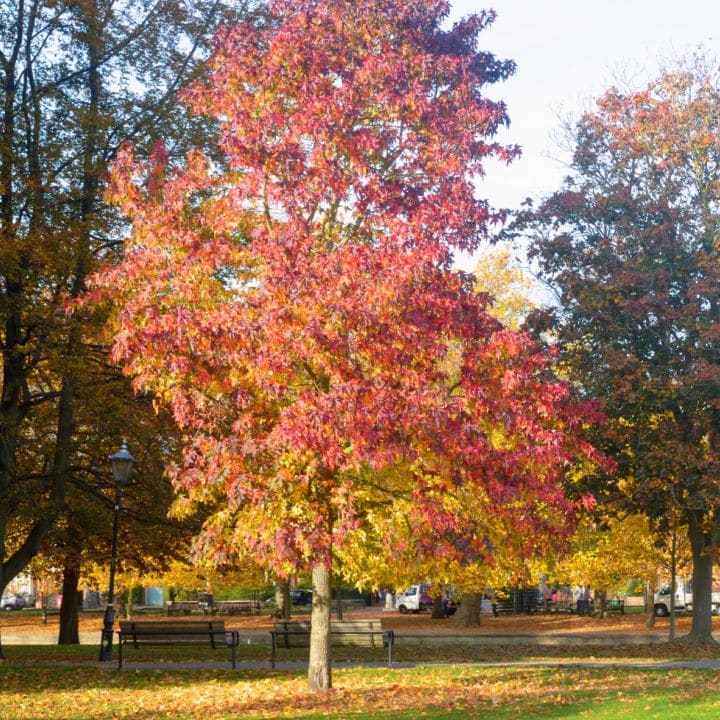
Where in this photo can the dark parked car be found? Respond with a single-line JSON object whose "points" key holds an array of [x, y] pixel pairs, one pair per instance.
{"points": [[297, 597], [301, 597]]}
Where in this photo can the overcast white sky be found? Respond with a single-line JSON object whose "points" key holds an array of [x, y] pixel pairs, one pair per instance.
{"points": [[568, 52]]}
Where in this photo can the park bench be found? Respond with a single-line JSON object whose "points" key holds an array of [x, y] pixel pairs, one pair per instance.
{"points": [[354, 603], [234, 607], [560, 606], [210, 633], [615, 606], [355, 633], [187, 607]]}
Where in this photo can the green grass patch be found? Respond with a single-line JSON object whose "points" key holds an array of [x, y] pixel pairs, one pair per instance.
{"points": [[446, 692]]}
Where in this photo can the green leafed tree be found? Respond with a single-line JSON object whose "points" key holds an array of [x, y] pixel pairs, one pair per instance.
{"points": [[76, 78]]}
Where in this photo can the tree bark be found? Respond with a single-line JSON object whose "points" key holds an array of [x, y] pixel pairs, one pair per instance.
{"points": [[282, 600], [69, 633], [701, 629], [650, 603], [339, 601], [438, 612], [319, 664], [673, 587], [468, 614], [128, 609], [601, 602]]}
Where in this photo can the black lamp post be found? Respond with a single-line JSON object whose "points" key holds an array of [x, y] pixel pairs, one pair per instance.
{"points": [[122, 464]]}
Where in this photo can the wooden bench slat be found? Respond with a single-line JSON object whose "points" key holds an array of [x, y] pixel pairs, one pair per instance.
{"points": [[237, 606], [186, 607], [353, 633], [211, 633]]}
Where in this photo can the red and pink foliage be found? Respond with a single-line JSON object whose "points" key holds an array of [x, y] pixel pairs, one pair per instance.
{"points": [[293, 301]]}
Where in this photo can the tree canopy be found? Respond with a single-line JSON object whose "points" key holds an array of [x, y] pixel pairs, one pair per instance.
{"points": [[77, 78], [630, 244], [292, 300]]}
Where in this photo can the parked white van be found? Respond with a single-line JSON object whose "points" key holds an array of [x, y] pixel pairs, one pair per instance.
{"points": [[683, 599], [414, 599]]}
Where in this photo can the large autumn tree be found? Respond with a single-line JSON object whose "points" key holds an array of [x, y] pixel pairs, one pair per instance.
{"points": [[75, 79], [292, 300], [630, 243]]}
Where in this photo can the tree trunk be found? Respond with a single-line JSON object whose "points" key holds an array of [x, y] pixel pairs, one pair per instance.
{"points": [[69, 633], [651, 588], [438, 611], [128, 609], [339, 601], [468, 614], [319, 667], [282, 600], [701, 629], [601, 603], [673, 588]]}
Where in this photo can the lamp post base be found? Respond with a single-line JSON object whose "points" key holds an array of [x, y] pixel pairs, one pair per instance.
{"points": [[107, 634]]}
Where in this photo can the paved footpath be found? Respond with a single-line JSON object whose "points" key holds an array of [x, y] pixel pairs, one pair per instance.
{"points": [[302, 666], [48, 636]]}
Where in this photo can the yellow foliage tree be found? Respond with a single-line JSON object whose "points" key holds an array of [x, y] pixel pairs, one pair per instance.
{"points": [[606, 556], [512, 289]]}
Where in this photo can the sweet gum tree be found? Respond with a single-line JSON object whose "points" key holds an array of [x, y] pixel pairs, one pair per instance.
{"points": [[292, 300]]}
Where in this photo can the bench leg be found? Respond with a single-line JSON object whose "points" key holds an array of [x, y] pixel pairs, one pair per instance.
{"points": [[272, 657], [120, 647]]}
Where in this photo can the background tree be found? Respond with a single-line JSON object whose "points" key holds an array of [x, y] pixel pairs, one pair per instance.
{"points": [[294, 305], [630, 244], [76, 79], [513, 290], [607, 555], [182, 575]]}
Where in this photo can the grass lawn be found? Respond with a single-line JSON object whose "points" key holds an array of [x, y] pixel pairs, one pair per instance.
{"points": [[39, 682], [29, 690]]}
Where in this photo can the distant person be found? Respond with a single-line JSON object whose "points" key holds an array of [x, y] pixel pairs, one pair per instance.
{"points": [[490, 595], [449, 606], [579, 600], [543, 592], [551, 598]]}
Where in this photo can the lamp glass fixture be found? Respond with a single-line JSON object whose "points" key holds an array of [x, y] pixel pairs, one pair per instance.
{"points": [[122, 463]]}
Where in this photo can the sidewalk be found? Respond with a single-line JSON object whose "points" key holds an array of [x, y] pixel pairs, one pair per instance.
{"points": [[49, 636], [543, 630]]}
